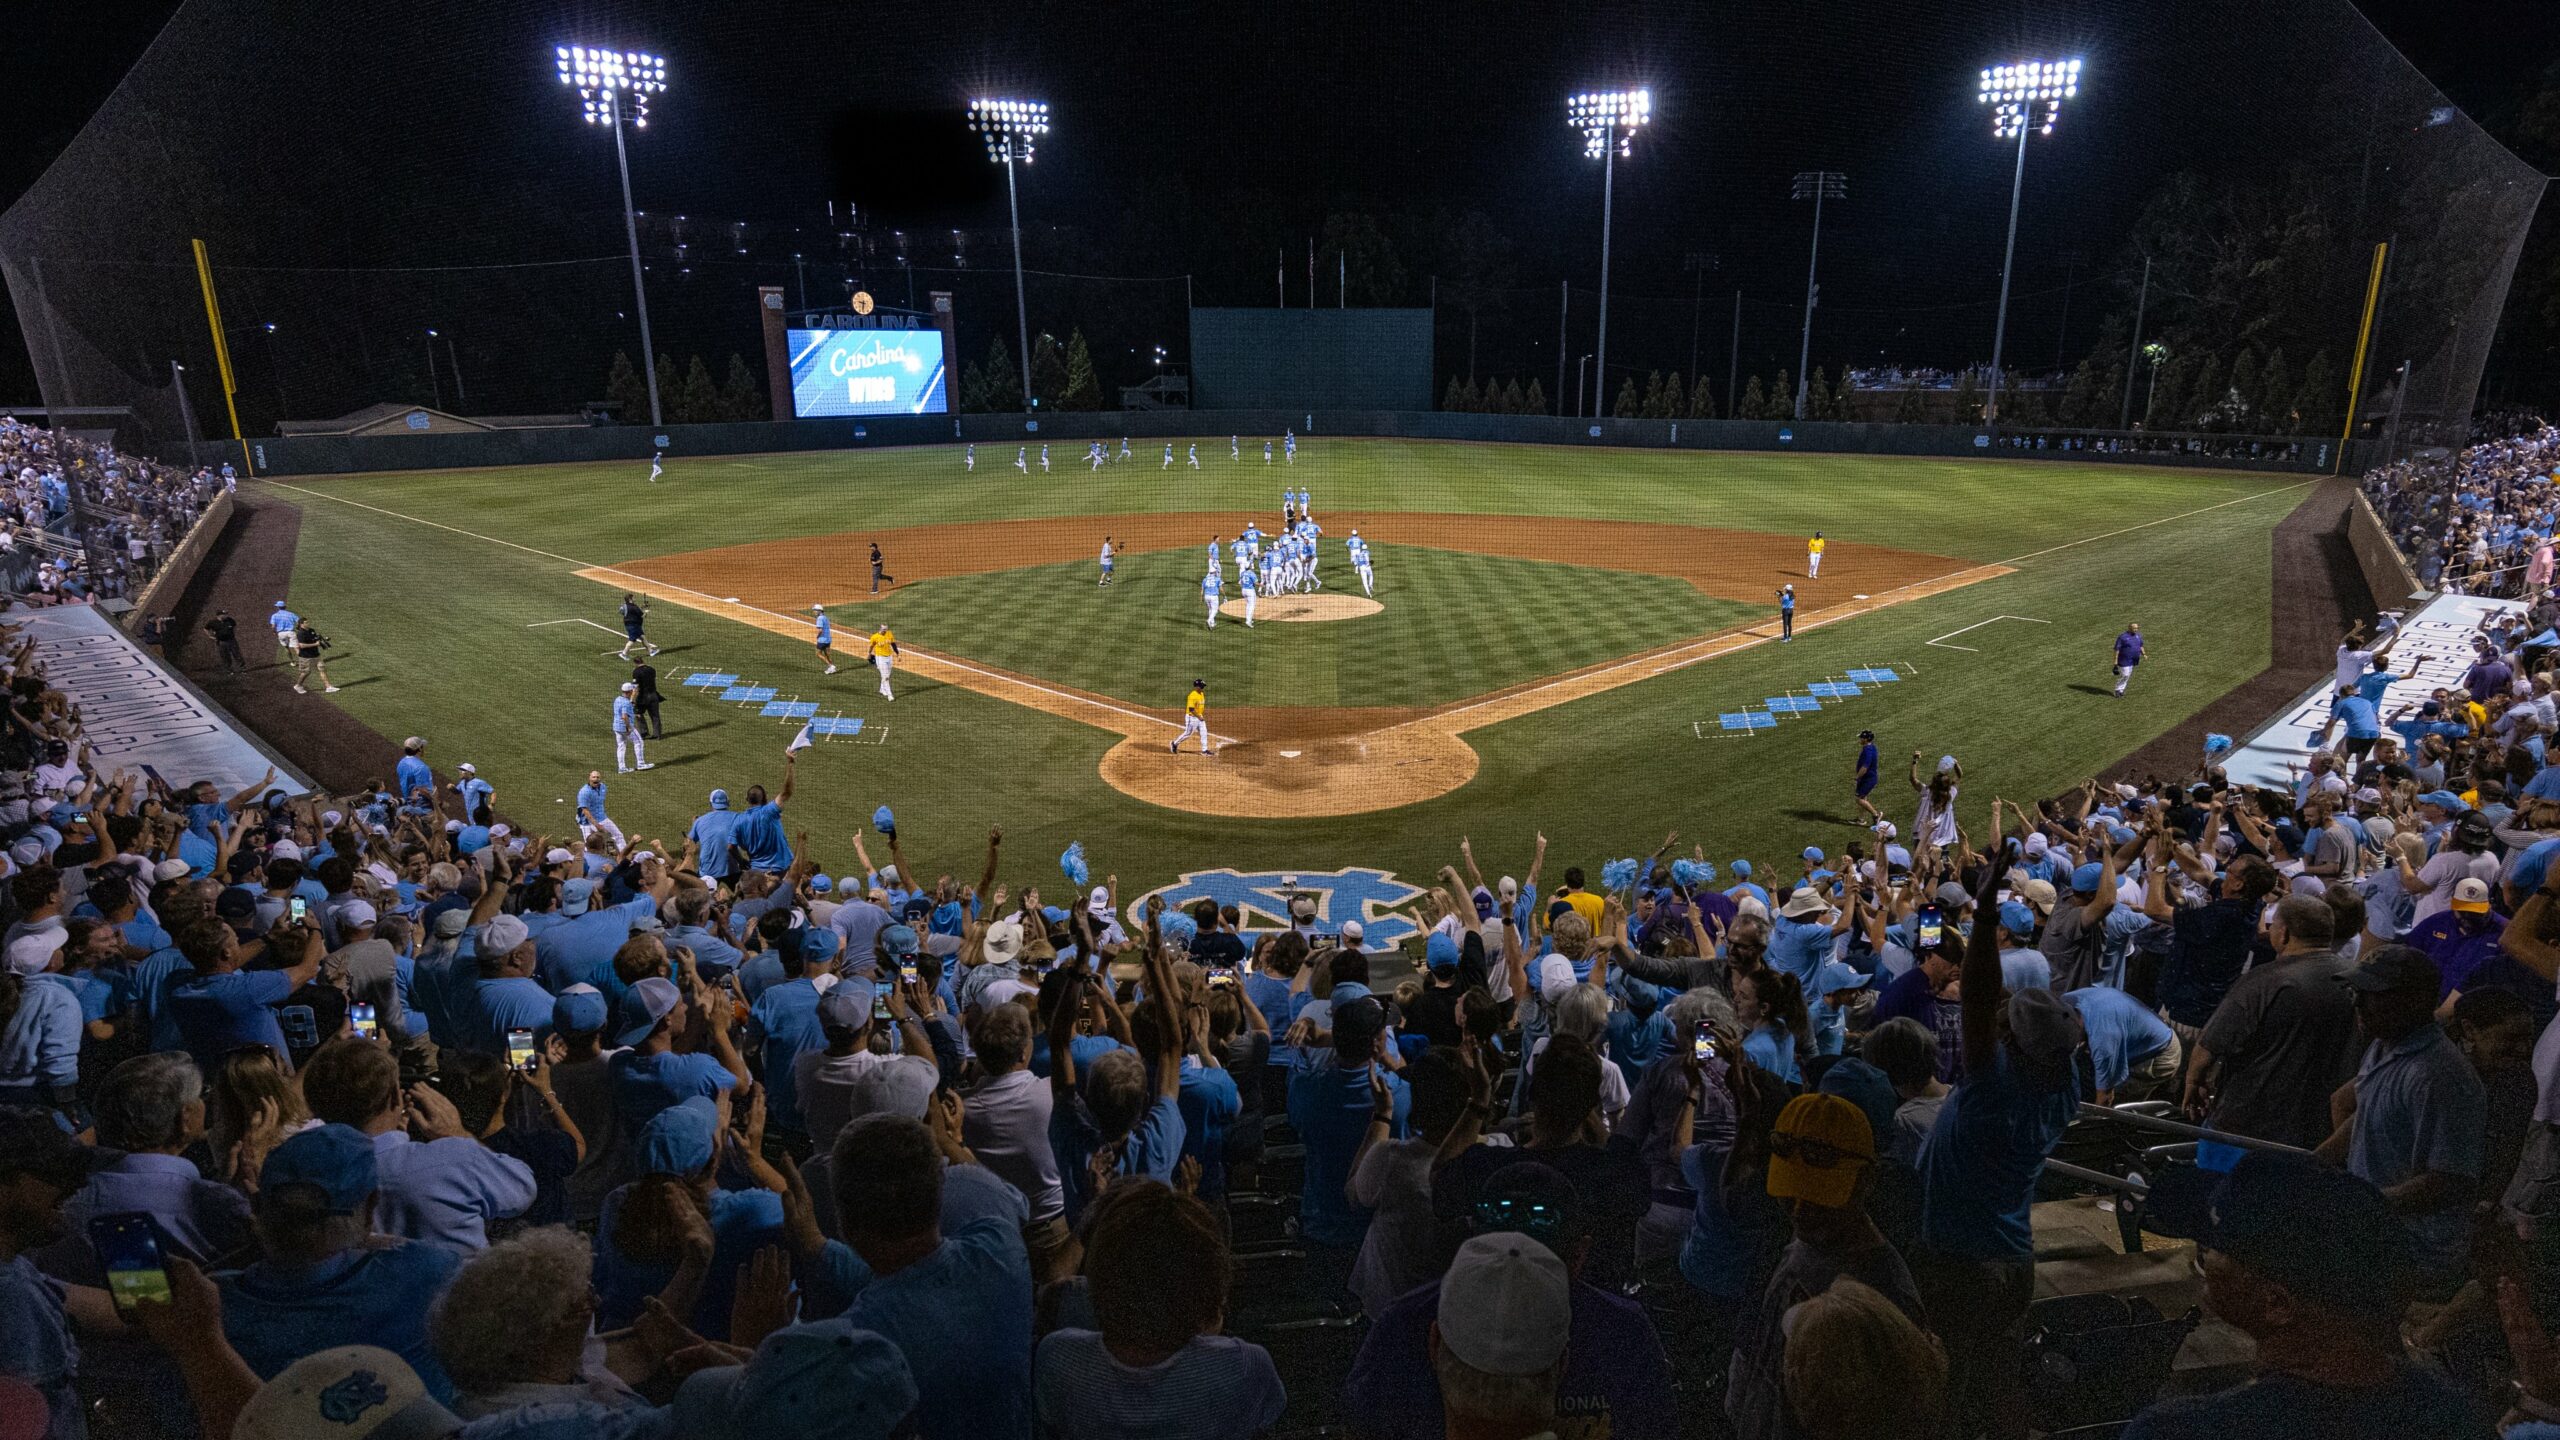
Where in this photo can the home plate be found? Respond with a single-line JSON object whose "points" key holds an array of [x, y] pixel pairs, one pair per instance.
{"points": [[1289, 754], [1857, 597], [732, 599]]}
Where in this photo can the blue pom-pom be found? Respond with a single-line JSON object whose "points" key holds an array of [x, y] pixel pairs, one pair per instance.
{"points": [[1684, 873], [2215, 744], [1178, 927], [1706, 872], [1072, 862], [883, 821], [1618, 874]]}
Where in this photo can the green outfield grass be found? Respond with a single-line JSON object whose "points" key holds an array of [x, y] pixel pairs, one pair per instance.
{"points": [[438, 586], [1453, 625]]}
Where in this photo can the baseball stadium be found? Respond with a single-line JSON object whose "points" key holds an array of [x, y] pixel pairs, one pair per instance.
{"points": [[976, 722]]}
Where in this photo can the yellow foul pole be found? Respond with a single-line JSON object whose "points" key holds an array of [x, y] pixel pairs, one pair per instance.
{"points": [[221, 353], [2355, 374]]}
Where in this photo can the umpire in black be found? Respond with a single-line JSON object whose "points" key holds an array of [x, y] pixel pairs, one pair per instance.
{"points": [[645, 675]]}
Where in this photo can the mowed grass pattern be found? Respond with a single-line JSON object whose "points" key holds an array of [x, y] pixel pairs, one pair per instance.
{"points": [[1454, 625]]}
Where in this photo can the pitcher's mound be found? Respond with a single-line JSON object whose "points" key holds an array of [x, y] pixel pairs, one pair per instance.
{"points": [[1304, 607]]}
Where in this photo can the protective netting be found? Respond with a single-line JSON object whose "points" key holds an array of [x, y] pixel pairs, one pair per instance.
{"points": [[365, 173]]}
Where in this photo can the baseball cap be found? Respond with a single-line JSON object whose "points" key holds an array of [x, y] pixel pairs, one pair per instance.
{"points": [[2474, 829], [467, 768], [1952, 896], [643, 1006], [1506, 1305], [2392, 968], [1868, 1088], [1886, 829], [2084, 880], [2038, 893], [2323, 1234], [1440, 952], [2045, 1026], [32, 953], [1837, 976], [557, 855], [336, 1160], [240, 905], [1356, 1022], [1099, 902], [1741, 869], [2016, 918], [847, 1004], [2037, 844], [356, 913], [579, 1010], [2443, 800], [719, 799], [575, 895], [284, 850], [1813, 853], [2471, 895], [681, 1139], [503, 934], [448, 923], [1817, 1150], [899, 940], [352, 1392], [822, 885], [822, 1381], [1352, 932], [170, 870], [33, 1143]]}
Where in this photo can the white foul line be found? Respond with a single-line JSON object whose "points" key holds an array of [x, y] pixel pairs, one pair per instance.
{"points": [[1940, 642]]}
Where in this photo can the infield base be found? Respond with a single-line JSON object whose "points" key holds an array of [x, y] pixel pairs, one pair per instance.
{"points": [[1303, 608]]}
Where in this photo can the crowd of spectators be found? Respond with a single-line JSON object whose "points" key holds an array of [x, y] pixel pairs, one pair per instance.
{"points": [[81, 520], [2477, 521]]}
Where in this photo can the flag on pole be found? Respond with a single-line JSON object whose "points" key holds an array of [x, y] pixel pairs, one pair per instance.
{"points": [[799, 742]]}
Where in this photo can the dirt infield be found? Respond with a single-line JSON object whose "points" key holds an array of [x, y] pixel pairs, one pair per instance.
{"points": [[1748, 565], [1304, 609], [1281, 762]]}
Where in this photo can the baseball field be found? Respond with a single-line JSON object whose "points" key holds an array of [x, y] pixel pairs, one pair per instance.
{"points": [[1579, 641]]}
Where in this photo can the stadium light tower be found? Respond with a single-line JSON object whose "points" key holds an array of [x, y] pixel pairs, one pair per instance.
{"points": [[613, 85], [1608, 120], [1816, 186], [2025, 99], [1012, 129]]}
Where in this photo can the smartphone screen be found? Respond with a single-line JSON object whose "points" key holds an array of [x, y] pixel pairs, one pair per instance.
{"points": [[907, 971], [520, 1050], [1221, 975], [360, 1015], [1932, 926], [1704, 1045], [297, 909], [128, 1245]]}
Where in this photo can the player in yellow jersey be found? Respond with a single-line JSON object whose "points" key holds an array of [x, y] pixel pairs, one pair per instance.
{"points": [[1195, 718], [1813, 555], [884, 646]]}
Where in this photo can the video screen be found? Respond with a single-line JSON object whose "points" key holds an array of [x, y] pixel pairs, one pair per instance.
{"points": [[867, 372]]}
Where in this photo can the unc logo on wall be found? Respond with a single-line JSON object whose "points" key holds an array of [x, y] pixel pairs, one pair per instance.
{"points": [[773, 299], [1261, 898], [417, 420]]}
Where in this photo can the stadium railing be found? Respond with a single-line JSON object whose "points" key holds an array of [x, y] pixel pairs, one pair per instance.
{"points": [[178, 570], [337, 454]]}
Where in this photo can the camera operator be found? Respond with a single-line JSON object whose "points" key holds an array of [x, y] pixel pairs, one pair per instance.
{"points": [[308, 642]]}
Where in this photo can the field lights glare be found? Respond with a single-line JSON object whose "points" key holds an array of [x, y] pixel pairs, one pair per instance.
{"points": [[2027, 95], [1606, 115], [1011, 128], [603, 77]]}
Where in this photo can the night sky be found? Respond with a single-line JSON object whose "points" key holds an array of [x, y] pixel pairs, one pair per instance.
{"points": [[1195, 139]]}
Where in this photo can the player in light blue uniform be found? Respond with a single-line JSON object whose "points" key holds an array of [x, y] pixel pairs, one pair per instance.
{"points": [[1094, 453], [1106, 560], [1242, 555], [1124, 447], [1022, 459], [284, 620], [1168, 458], [1251, 591], [1289, 441], [970, 461], [1360, 562], [826, 636], [1209, 593], [474, 791], [592, 821], [657, 466], [627, 752], [1234, 450], [1266, 452], [1044, 457]]}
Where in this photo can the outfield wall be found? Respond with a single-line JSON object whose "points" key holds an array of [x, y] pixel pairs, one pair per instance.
{"points": [[2386, 571], [341, 454]]}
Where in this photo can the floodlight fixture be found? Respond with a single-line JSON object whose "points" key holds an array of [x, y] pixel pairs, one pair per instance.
{"points": [[611, 85], [1607, 121], [2025, 98], [1012, 130]]}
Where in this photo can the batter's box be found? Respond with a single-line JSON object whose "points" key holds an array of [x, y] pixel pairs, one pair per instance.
{"points": [[1873, 677], [1793, 705], [1830, 691], [749, 694], [1746, 720], [789, 709], [835, 726], [708, 679]]}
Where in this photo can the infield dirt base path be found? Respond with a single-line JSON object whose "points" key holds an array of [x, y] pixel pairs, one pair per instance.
{"points": [[1281, 762]]}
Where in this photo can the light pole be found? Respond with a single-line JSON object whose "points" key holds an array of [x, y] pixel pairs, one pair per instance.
{"points": [[433, 382], [1608, 120], [1581, 368], [1698, 263], [1012, 128], [1817, 186], [2133, 362], [2025, 98], [611, 84]]}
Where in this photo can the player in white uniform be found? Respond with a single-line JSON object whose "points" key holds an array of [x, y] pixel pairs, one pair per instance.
{"points": [[1106, 561], [970, 461], [1044, 458], [1022, 460], [1168, 459], [1195, 457], [1289, 441], [627, 753], [1234, 450], [1360, 562], [657, 466], [1266, 452], [1251, 591], [1209, 587], [1124, 447], [1242, 555], [1093, 452], [1293, 574]]}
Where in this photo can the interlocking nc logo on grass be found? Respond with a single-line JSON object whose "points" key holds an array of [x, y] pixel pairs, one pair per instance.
{"points": [[1261, 898]]}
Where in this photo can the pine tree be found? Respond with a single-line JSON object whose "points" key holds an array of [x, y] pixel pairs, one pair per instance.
{"points": [[1754, 404], [2204, 395], [699, 401], [1839, 408], [1968, 401], [1048, 371], [1472, 398], [1083, 391], [972, 394], [1702, 400], [2244, 389], [1003, 389], [740, 399], [2316, 404], [1651, 406], [1513, 402], [1817, 396], [1910, 408], [1456, 398], [1629, 403], [2169, 389], [2080, 397], [1675, 400], [670, 390], [627, 393], [1781, 402], [1533, 401], [2274, 403]]}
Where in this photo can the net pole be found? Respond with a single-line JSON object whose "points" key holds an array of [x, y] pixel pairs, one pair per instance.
{"points": [[2364, 333], [221, 351]]}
